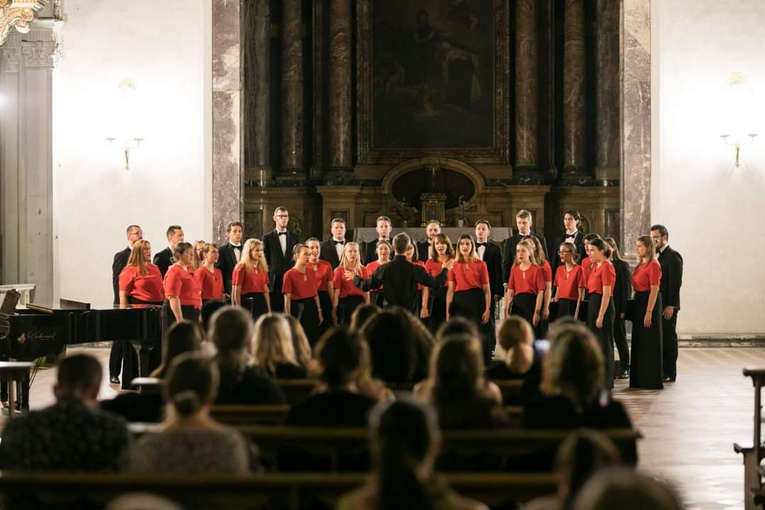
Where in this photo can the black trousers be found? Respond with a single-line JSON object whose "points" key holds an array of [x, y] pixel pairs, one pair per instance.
{"points": [[470, 304], [620, 338], [345, 308], [305, 311], [669, 337], [604, 335]]}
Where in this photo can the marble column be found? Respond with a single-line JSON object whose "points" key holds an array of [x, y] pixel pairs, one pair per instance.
{"points": [[526, 87], [256, 52], [292, 92], [227, 164], [339, 92], [636, 123], [573, 90], [26, 165], [607, 56]]}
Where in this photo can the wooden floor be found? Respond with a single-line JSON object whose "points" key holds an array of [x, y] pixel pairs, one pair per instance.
{"points": [[689, 427]]}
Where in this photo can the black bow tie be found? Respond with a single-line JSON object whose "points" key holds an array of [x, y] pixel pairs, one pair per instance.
{"points": [[281, 233], [338, 242], [236, 246], [478, 245], [569, 235]]}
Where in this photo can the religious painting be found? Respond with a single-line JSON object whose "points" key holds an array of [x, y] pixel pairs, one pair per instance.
{"points": [[433, 79]]}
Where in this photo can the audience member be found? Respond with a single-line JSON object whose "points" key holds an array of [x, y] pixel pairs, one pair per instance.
{"points": [[182, 337], [626, 490], [273, 351], [522, 358], [362, 314], [300, 343], [457, 326]]}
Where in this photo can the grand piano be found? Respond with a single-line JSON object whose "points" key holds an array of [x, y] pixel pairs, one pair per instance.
{"points": [[47, 328]]}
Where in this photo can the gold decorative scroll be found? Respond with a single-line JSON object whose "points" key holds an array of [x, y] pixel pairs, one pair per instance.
{"points": [[18, 14]]}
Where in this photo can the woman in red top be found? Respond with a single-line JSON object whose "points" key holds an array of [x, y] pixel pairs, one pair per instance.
{"points": [[208, 278], [249, 281], [569, 282], [301, 299], [601, 311], [539, 254], [347, 297], [383, 257], [434, 300], [525, 286], [586, 270], [140, 282], [182, 299], [323, 273], [646, 369], [199, 258]]}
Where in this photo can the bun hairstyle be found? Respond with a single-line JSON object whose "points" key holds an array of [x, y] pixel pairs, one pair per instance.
{"points": [[192, 382], [574, 251], [296, 250], [601, 245], [180, 249]]}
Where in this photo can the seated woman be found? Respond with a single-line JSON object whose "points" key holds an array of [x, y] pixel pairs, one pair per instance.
{"points": [[273, 352], [457, 388], [183, 337], [362, 314], [522, 358], [300, 343], [231, 332], [190, 441], [405, 441]]}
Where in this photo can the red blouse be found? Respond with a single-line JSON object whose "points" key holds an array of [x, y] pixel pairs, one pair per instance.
{"points": [[587, 264], [180, 282], [569, 283], [346, 287], [210, 284], [251, 281], [646, 275], [422, 265], [146, 287], [299, 285], [600, 277], [546, 272], [529, 281], [468, 275], [323, 273]]}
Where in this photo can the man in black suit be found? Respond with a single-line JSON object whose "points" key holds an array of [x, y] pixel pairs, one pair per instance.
{"points": [[400, 277], [669, 288], [432, 229], [523, 221], [571, 234], [134, 233], [383, 232], [277, 247], [332, 249], [492, 256], [164, 259], [230, 254]]}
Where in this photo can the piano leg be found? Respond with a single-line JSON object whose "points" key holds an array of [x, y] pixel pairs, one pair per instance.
{"points": [[142, 350], [23, 390], [130, 367]]}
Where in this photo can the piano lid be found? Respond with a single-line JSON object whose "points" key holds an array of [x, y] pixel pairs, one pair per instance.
{"points": [[68, 305]]}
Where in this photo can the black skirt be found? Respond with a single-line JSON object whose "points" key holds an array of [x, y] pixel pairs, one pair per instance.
{"points": [[566, 308], [346, 306], [524, 304], [604, 335], [305, 311], [255, 302], [646, 370]]}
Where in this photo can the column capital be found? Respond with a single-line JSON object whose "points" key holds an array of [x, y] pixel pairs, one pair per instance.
{"points": [[18, 14], [10, 56], [39, 54]]}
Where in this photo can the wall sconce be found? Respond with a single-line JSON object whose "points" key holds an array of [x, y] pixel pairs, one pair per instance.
{"points": [[738, 118], [124, 119], [737, 143]]}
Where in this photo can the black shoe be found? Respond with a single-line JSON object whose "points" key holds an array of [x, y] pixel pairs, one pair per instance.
{"points": [[625, 374], [667, 378], [114, 379]]}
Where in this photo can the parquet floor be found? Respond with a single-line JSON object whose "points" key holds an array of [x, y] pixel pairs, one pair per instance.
{"points": [[689, 427]]}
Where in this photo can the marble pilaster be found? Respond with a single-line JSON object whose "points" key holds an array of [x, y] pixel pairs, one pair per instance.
{"points": [[227, 164], [636, 123], [339, 91], [526, 86], [256, 54], [292, 92], [608, 121], [573, 90]]}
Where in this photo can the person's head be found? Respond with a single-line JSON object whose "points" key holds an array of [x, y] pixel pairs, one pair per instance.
{"points": [[400, 243], [383, 250], [574, 366], [231, 330], [432, 228], [198, 259], [174, 235], [272, 343], [455, 327], [79, 376], [338, 228], [611, 243], [524, 253], [404, 441], [582, 454], [660, 236], [514, 331], [234, 232], [466, 249], [300, 254], [134, 233], [482, 231], [140, 255], [281, 217], [362, 314], [205, 316], [589, 238], [441, 247], [645, 249], [625, 489], [191, 384], [456, 369], [351, 258], [412, 253], [523, 221], [299, 341], [567, 253], [209, 253], [182, 337], [252, 255], [341, 354], [599, 250], [183, 253], [314, 249], [535, 245], [383, 227], [571, 220]]}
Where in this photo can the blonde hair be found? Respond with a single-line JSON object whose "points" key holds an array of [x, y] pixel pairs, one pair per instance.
{"points": [[515, 333], [249, 264], [344, 262], [536, 245], [136, 256], [272, 343], [198, 260], [532, 257], [647, 242], [472, 257]]}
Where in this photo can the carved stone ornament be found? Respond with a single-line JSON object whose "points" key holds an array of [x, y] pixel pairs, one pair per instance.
{"points": [[18, 14]]}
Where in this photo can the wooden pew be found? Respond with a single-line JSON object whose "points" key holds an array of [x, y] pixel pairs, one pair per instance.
{"points": [[253, 491], [753, 455]]}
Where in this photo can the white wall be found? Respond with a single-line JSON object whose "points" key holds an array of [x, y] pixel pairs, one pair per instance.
{"points": [[163, 47], [713, 210]]}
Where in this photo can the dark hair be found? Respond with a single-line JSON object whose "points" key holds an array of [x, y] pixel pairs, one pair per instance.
{"points": [[296, 250], [233, 224], [77, 374], [614, 248], [341, 354], [625, 489], [131, 227], [401, 434], [574, 251], [663, 232], [443, 239], [231, 330], [581, 455], [192, 380], [182, 337], [205, 315], [400, 243], [456, 368], [483, 222], [577, 217], [456, 326], [171, 230], [311, 239], [591, 237], [433, 221], [362, 314], [180, 249], [601, 245], [280, 208]]}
